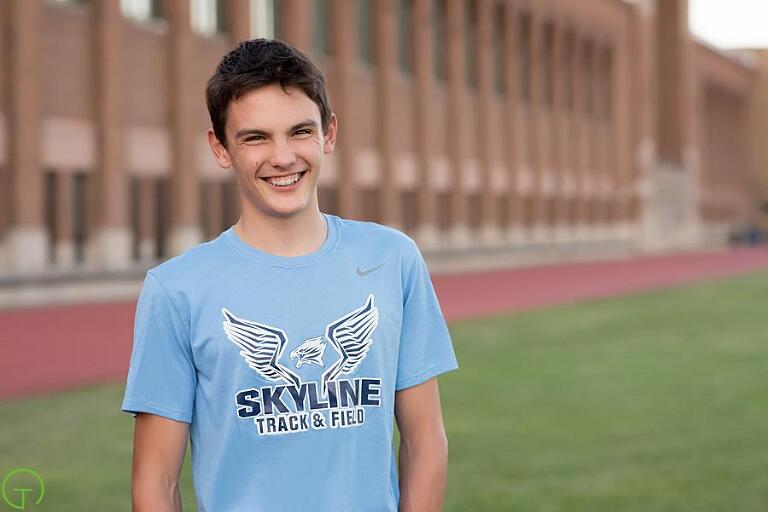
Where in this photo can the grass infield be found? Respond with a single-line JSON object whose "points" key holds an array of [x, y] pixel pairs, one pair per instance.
{"points": [[653, 402]]}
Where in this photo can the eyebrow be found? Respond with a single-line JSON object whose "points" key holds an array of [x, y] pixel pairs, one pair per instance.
{"points": [[307, 123]]}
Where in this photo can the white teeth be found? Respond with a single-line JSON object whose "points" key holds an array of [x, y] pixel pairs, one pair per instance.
{"points": [[284, 180]]}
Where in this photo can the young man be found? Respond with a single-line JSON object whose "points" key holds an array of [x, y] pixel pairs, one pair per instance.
{"points": [[287, 346]]}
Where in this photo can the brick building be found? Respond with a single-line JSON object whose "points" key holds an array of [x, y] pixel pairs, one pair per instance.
{"points": [[544, 124]]}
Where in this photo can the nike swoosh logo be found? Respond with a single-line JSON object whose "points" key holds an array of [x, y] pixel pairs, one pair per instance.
{"points": [[366, 272]]}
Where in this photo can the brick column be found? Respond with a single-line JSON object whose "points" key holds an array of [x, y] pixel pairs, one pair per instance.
{"points": [[456, 100], [485, 98], [238, 24], [718, 183], [597, 148], [647, 152], [345, 46], [672, 219], [5, 193], [185, 230], [538, 201], [611, 139], [511, 113], [385, 19], [558, 157], [546, 123], [423, 70], [111, 244], [568, 142], [635, 116], [622, 124], [580, 140], [26, 239], [296, 23], [674, 81], [238, 21]]}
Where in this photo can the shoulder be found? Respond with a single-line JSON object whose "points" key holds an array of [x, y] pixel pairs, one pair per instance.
{"points": [[373, 234], [199, 260]]}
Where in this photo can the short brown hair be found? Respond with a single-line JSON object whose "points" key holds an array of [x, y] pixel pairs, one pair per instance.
{"points": [[257, 63]]}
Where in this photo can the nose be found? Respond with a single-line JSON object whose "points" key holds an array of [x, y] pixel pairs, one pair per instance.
{"points": [[282, 154]]}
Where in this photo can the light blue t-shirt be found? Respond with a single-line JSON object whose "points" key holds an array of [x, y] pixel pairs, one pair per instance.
{"points": [[286, 367]]}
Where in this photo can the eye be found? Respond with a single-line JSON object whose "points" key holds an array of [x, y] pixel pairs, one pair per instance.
{"points": [[303, 131], [253, 138]]}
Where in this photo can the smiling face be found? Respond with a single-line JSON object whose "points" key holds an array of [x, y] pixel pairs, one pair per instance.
{"points": [[274, 136]]}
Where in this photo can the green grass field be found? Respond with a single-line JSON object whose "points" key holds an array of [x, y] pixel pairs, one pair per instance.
{"points": [[655, 402]]}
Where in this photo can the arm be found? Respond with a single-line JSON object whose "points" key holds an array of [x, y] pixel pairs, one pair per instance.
{"points": [[423, 448], [158, 452]]}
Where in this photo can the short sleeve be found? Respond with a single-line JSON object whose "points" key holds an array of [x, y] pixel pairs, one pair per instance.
{"points": [[426, 349], [162, 376]]}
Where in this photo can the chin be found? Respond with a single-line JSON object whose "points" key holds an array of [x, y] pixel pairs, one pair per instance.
{"points": [[288, 211], [284, 207]]}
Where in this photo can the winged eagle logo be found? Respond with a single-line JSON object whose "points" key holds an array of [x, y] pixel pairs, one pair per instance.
{"points": [[262, 346], [310, 352]]}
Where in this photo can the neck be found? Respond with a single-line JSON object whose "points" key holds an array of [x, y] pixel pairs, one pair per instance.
{"points": [[296, 235]]}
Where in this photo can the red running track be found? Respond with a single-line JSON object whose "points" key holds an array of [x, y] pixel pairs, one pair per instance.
{"points": [[54, 348]]}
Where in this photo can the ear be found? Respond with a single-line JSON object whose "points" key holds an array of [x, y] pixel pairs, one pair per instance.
{"points": [[329, 138], [219, 151]]}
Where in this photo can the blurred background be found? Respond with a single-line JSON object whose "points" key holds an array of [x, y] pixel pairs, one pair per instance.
{"points": [[591, 127], [539, 151]]}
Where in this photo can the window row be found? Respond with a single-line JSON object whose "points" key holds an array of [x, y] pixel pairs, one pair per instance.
{"points": [[207, 17], [580, 64], [583, 67]]}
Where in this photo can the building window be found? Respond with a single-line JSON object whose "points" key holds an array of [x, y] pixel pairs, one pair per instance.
{"points": [[499, 40], [51, 207], [470, 43], [548, 58], [328, 199], [323, 29], [370, 204], [161, 192], [502, 211], [80, 203], [405, 35], [409, 208], [524, 57], [265, 18], [140, 10], [439, 57], [135, 207], [230, 203], [444, 210], [207, 16], [475, 210], [365, 31], [210, 208], [5, 195]]}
